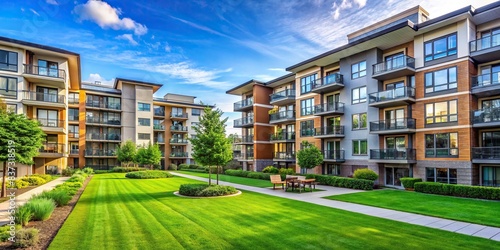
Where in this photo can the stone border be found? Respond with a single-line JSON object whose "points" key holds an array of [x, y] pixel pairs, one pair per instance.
{"points": [[204, 197]]}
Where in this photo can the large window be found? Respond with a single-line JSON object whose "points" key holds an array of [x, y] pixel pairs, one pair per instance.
{"points": [[48, 118], [359, 121], [359, 147], [306, 107], [306, 83], [143, 106], [8, 86], [441, 47], [8, 60], [73, 98], [195, 112], [490, 139], [307, 128], [443, 175], [48, 68], [359, 95], [144, 122], [358, 70], [441, 112], [491, 176], [73, 131], [441, 145], [73, 114], [441, 80]]}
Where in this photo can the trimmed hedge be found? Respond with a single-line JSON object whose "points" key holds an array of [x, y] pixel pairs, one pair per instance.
{"points": [[477, 192], [365, 174], [102, 171], [409, 182], [342, 182], [191, 189], [149, 174], [205, 190], [183, 166], [126, 169], [271, 170]]}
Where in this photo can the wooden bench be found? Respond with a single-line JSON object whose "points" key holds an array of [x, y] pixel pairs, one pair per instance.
{"points": [[276, 179]]}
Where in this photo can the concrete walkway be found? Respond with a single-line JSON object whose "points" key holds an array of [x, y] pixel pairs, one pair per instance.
{"points": [[24, 197], [471, 229]]}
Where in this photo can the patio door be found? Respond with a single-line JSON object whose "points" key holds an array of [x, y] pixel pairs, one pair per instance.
{"points": [[332, 150], [394, 61], [46, 94], [332, 101], [394, 118], [393, 176], [490, 74], [48, 68]]}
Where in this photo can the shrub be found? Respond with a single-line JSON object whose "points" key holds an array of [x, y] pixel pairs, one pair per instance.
{"points": [[60, 197], [22, 215], [26, 237], [71, 185], [149, 174], [183, 166], [194, 166], [76, 178], [410, 182], [41, 208], [18, 183], [88, 170], [173, 167], [34, 180], [286, 171], [240, 173], [205, 190], [80, 172], [342, 182], [5, 231], [126, 169], [102, 171], [191, 189], [477, 192], [270, 169], [46, 177], [69, 190], [365, 174], [259, 175], [68, 172]]}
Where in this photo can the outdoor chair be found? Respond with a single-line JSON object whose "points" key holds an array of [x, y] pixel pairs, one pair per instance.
{"points": [[276, 179]]}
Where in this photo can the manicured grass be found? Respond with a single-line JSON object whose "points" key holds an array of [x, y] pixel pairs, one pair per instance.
{"points": [[119, 213], [468, 210], [234, 179]]}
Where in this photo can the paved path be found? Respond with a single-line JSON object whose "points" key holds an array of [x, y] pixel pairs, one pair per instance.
{"points": [[22, 198], [466, 228]]}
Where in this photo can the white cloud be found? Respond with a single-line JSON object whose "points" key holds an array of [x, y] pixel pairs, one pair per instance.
{"points": [[276, 69], [98, 78], [167, 47], [264, 77], [127, 37], [34, 12], [53, 2], [107, 17], [346, 4]]}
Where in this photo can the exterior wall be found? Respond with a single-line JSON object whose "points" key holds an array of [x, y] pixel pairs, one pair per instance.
{"points": [[263, 150], [129, 115]]}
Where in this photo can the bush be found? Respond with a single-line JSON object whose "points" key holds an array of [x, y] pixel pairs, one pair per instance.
{"points": [[60, 197], [69, 190], [76, 178], [102, 171], [205, 190], [26, 237], [286, 171], [127, 169], [259, 175], [71, 185], [344, 182], [149, 174], [183, 166], [80, 172], [173, 167], [41, 208], [5, 231], [191, 189], [240, 173], [194, 166], [88, 170], [68, 172], [365, 174], [46, 177], [270, 169], [34, 180], [22, 215], [410, 182], [18, 183], [477, 192]]}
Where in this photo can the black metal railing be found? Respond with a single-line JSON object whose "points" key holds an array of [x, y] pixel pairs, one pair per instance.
{"points": [[178, 128], [179, 140], [43, 97], [98, 136], [179, 154], [393, 154], [290, 114], [54, 123], [44, 71], [243, 103], [329, 107], [243, 121], [485, 43], [96, 120], [329, 130], [284, 155], [486, 80], [247, 138], [334, 154], [282, 136], [391, 94], [393, 124], [327, 80], [287, 93], [441, 152], [393, 64], [103, 105], [486, 153], [100, 152], [178, 115], [486, 115], [52, 147]]}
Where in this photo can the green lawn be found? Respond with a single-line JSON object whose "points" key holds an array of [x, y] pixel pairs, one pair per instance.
{"points": [[234, 179], [469, 210], [119, 213]]}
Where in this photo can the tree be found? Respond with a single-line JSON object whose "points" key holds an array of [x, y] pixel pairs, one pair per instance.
{"points": [[149, 156], [309, 156], [210, 146], [20, 141], [126, 153]]}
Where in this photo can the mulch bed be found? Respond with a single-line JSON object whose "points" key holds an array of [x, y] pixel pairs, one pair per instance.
{"points": [[49, 228]]}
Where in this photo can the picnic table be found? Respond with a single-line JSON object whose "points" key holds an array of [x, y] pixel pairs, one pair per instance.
{"points": [[299, 182]]}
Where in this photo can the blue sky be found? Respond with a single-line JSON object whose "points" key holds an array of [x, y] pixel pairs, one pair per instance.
{"points": [[200, 48]]}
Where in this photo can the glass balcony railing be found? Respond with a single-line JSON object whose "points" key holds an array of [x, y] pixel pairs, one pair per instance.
{"points": [[485, 43], [394, 64], [103, 105], [328, 80], [329, 107], [243, 103], [54, 123], [283, 136], [284, 155], [100, 152], [179, 154], [74, 151], [246, 139], [486, 80], [290, 114], [287, 93], [329, 130], [337, 155], [179, 115], [44, 71], [243, 121], [96, 120], [486, 153], [393, 154], [52, 147], [392, 94], [43, 97], [158, 127], [486, 115], [98, 136], [393, 124], [179, 128], [178, 140]]}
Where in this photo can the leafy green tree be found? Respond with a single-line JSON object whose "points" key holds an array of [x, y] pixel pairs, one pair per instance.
{"points": [[309, 156], [20, 141], [126, 153], [149, 156], [210, 146]]}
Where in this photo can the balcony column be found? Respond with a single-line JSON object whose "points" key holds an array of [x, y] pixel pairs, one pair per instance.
{"points": [[411, 170]]}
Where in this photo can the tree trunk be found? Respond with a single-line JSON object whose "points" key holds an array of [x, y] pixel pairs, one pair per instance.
{"points": [[209, 176], [4, 180], [217, 175]]}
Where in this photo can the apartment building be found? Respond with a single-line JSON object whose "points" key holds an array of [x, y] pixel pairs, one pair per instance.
{"points": [[406, 96], [85, 123]]}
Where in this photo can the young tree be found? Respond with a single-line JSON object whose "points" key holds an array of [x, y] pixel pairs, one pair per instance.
{"points": [[126, 153], [20, 141], [309, 156], [210, 146], [149, 156]]}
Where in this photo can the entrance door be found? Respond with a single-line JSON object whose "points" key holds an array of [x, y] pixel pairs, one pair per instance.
{"points": [[393, 176]]}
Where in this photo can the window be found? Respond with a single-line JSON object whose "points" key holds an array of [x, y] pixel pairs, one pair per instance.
{"points": [[490, 176], [195, 112], [8, 86], [73, 131], [48, 118], [195, 124], [306, 83], [359, 121], [144, 122], [306, 107], [441, 47], [73, 98], [358, 95], [440, 80], [358, 70], [441, 112], [73, 114], [359, 147], [8, 60], [48, 68], [443, 175], [307, 128], [143, 136], [441, 145], [12, 108], [143, 106], [113, 103], [490, 139]]}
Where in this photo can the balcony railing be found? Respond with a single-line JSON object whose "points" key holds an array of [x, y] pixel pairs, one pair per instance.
{"points": [[284, 155], [328, 80], [54, 123], [73, 118], [74, 151], [103, 105], [393, 124], [337, 107], [43, 97], [244, 156], [486, 115], [96, 120], [73, 100], [73, 135], [179, 154], [179, 115], [243, 103], [394, 64], [393, 154], [283, 136], [159, 112], [283, 115], [287, 93], [486, 80], [485, 43], [243, 121], [53, 147], [178, 140], [486, 153], [392, 94], [246, 139], [44, 71], [159, 140], [179, 128], [338, 155], [158, 127], [108, 137], [329, 130], [99, 152]]}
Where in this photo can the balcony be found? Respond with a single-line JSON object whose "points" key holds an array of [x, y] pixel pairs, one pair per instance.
{"points": [[54, 77], [179, 155], [72, 135], [74, 152], [102, 122], [329, 132], [247, 139], [397, 67], [282, 137], [178, 129], [328, 83], [179, 141], [159, 140], [52, 150], [243, 156], [485, 118], [45, 100], [486, 155], [52, 125], [282, 98], [284, 156], [282, 117], [334, 156], [243, 122], [243, 105], [160, 113], [486, 85], [73, 101], [392, 155], [158, 127], [73, 118], [103, 105], [392, 97], [336, 108], [100, 153], [485, 49], [394, 126], [102, 137], [178, 116]]}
